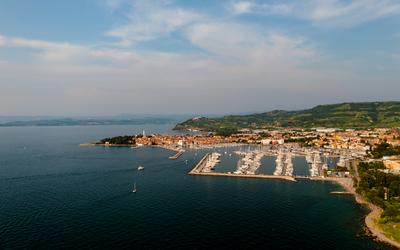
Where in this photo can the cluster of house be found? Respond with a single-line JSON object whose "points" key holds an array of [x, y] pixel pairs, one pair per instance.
{"points": [[333, 138], [320, 137], [329, 138], [356, 139], [392, 164], [191, 140]]}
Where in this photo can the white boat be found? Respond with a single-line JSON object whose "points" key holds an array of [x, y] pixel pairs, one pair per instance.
{"points": [[140, 168], [134, 188]]}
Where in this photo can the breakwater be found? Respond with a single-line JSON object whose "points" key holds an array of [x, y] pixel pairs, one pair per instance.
{"points": [[198, 170], [256, 176]]}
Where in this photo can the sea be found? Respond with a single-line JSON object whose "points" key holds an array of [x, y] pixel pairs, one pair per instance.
{"points": [[55, 194]]}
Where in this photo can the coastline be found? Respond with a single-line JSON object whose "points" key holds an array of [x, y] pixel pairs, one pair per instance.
{"points": [[371, 220]]}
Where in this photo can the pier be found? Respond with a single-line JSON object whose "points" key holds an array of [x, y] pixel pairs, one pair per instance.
{"points": [[177, 155], [178, 151]]}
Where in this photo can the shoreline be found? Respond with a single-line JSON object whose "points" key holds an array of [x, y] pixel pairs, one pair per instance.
{"points": [[107, 145], [372, 217], [370, 220]]}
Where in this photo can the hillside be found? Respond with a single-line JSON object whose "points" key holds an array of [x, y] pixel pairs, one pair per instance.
{"points": [[344, 115]]}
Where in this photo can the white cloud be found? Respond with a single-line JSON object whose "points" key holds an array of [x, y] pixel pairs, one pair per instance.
{"points": [[255, 65], [143, 80], [114, 54], [242, 43], [65, 52], [242, 7], [149, 21], [327, 12], [354, 12]]}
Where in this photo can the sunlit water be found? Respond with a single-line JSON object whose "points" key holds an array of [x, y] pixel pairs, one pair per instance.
{"points": [[55, 194]]}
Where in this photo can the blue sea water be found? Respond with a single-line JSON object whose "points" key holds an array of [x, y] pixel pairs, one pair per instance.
{"points": [[57, 195]]}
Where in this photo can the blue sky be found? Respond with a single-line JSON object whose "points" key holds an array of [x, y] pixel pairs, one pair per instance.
{"points": [[102, 57]]}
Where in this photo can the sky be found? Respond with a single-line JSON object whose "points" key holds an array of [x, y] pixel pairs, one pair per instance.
{"points": [[105, 57]]}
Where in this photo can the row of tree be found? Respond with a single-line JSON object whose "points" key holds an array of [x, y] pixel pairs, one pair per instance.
{"points": [[125, 139], [384, 149], [382, 189]]}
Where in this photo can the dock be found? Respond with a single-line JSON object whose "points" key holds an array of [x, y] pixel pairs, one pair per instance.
{"points": [[178, 151]]}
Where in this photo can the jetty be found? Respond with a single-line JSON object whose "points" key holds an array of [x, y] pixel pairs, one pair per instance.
{"points": [[177, 155]]}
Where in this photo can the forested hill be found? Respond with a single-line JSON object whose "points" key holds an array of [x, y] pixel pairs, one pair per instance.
{"points": [[344, 115]]}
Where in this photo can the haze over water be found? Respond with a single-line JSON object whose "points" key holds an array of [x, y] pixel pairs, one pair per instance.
{"points": [[56, 194]]}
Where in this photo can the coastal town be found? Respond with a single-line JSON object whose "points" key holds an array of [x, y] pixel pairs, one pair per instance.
{"points": [[360, 157], [347, 144], [173, 124]]}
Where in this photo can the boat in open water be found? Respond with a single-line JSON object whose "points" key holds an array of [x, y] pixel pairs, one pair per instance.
{"points": [[134, 188]]}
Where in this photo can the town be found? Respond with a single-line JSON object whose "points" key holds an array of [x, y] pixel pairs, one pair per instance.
{"points": [[348, 144], [366, 162]]}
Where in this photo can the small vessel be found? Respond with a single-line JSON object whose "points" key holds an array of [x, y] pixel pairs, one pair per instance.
{"points": [[134, 188], [140, 168]]}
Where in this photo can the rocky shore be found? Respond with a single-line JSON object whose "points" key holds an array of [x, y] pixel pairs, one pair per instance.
{"points": [[371, 220]]}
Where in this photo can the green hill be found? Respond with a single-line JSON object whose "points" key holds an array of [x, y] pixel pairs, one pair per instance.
{"points": [[344, 115]]}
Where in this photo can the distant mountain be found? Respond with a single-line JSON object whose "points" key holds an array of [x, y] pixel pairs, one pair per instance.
{"points": [[120, 119], [343, 115], [87, 122]]}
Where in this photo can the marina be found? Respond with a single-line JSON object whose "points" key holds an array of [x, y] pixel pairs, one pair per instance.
{"points": [[250, 162]]}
